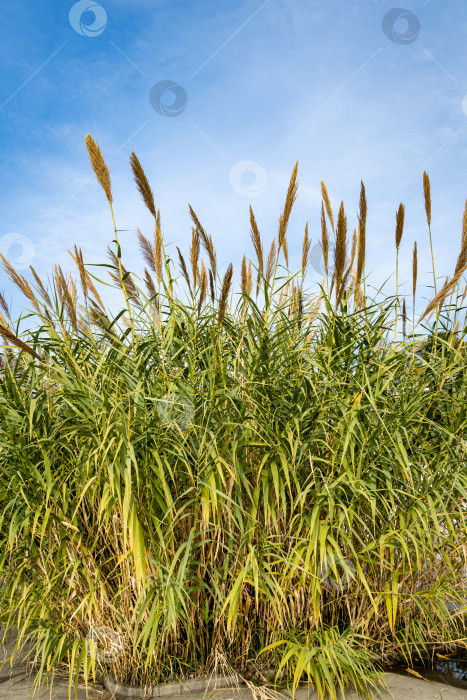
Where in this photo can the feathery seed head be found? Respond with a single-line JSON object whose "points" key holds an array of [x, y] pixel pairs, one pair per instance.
{"points": [[142, 184], [327, 202], [99, 166], [427, 193], [399, 224]]}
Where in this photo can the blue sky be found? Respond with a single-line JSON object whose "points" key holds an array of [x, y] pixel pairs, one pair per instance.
{"points": [[262, 85]]}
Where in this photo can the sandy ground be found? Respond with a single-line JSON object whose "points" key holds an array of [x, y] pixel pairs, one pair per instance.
{"points": [[16, 685]]}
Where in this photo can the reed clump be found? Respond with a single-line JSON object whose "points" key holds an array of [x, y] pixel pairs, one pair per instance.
{"points": [[237, 468]]}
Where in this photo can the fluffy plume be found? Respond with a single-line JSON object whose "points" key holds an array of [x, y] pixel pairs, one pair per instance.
{"points": [[327, 202], [184, 269], [211, 286], [324, 239], [42, 290], [270, 261], [305, 250], [461, 267], [443, 293], [150, 285], [427, 193], [404, 319], [99, 166], [227, 281], [127, 283], [142, 184], [4, 305], [66, 293], [257, 243], [157, 249], [350, 266], [203, 286], [249, 279], [20, 282], [147, 250], [399, 224], [284, 217], [9, 336], [194, 254], [206, 241], [340, 253], [244, 281], [462, 259], [361, 234]]}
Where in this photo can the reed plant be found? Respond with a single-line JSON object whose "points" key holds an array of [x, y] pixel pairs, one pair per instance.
{"points": [[247, 469]]}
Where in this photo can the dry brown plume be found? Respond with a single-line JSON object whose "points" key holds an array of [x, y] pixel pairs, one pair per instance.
{"points": [[399, 224], [305, 250], [257, 243], [427, 193], [203, 286], [149, 284], [244, 278], [461, 267], [440, 298], [20, 282], [4, 305], [327, 202], [284, 217], [206, 241], [67, 294], [157, 249], [184, 269], [147, 250], [270, 261], [9, 336], [194, 254], [142, 184], [99, 166], [464, 225], [462, 259], [350, 265], [211, 286], [324, 239], [227, 281], [340, 253], [361, 234], [249, 278], [127, 282], [404, 319]]}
